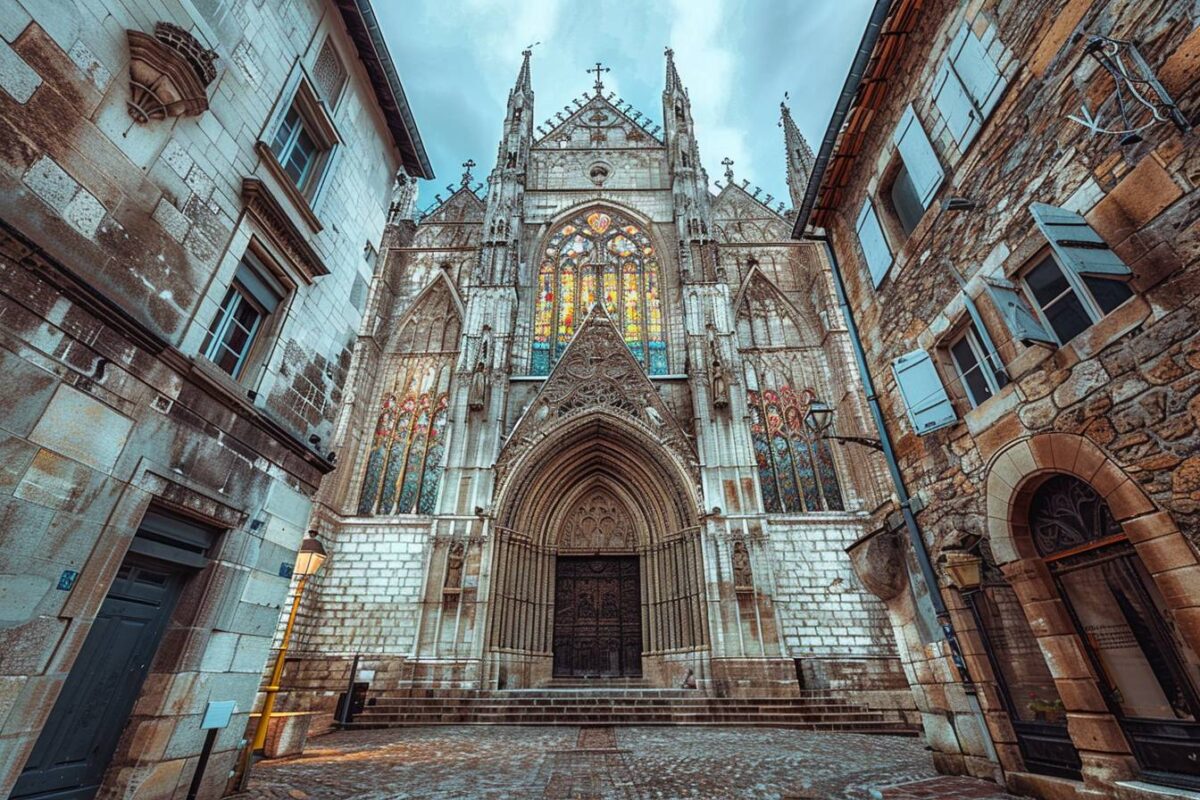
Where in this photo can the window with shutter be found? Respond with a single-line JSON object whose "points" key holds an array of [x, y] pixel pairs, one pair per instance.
{"points": [[968, 85], [929, 407], [1020, 320], [919, 158], [976, 69], [874, 245], [959, 113], [1078, 247]]}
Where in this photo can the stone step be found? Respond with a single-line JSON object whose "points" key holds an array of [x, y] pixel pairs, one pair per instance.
{"points": [[873, 727]]}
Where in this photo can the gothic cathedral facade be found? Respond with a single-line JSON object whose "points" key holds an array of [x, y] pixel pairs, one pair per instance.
{"points": [[574, 443]]}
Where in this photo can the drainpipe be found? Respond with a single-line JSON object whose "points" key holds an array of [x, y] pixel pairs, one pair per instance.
{"points": [[889, 454]]}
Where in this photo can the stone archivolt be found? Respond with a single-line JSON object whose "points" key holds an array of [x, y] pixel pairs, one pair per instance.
{"points": [[597, 373]]}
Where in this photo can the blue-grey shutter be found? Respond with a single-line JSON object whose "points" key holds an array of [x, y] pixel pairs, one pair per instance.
{"points": [[922, 163], [976, 69], [929, 408], [1021, 322], [962, 120], [1078, 247], [874, 245], [257, 285]]}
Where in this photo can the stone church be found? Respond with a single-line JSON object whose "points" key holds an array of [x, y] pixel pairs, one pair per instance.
{"points": [[573, 444]]}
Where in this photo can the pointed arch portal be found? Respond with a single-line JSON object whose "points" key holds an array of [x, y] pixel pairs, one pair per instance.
{"points": [[597, 566]]}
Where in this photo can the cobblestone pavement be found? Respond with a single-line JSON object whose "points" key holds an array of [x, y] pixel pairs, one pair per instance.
{"points": [[569, 763]]}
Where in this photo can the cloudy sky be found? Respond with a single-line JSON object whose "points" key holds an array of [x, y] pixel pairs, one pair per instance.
{"points": [[458, 59]]}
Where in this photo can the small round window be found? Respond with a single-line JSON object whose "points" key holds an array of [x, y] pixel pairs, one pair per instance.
{"points": [[599, 172]]}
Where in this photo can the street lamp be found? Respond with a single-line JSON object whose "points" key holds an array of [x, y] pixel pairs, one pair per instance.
{"points": [[310, 558], [963, 569], [820, 419]]}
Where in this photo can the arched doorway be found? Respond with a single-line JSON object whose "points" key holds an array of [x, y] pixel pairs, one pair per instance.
{"points": [[597, 569], [1149, 675]]}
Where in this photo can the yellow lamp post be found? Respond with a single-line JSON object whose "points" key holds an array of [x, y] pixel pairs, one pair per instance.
{"points": [[308, 561]]}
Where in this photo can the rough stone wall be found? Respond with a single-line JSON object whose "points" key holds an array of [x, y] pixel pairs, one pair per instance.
{"points": [[117, 242], [1130, 383]]}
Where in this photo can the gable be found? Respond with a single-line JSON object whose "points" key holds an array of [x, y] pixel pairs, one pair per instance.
{"points": [[596, 373], [598, 123], [738, 218], [462, 206], [432, 323]]}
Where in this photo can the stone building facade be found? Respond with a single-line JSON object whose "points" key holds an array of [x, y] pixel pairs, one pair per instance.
{"points": [[190, 193], [1015, 224], [574, 443]]}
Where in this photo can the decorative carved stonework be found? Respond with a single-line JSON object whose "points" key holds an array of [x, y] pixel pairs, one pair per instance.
{"points": [[168, 73], [600, 523], [597, 373], [743, 574], [283, 233]]}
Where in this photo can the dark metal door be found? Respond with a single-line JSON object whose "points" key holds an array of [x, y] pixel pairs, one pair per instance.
{"points": [[597, 617], [79, 738]]}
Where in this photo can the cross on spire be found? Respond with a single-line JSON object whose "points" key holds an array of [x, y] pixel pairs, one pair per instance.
{"points": [[599, 69], [467, 166], [727, 162]]}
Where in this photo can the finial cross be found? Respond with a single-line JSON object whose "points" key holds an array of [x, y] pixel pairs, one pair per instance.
{"points": [[727, 162], [599, 69], [467, 167]]}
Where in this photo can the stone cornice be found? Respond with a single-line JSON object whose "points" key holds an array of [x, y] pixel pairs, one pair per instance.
{"points": [[279, 228]]}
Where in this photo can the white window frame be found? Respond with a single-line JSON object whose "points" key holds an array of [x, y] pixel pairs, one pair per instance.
{"points": [[215, 332], [300, 93], [983, 362], [1074, 282]]}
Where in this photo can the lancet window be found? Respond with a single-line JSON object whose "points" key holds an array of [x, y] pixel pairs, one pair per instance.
{"points": [[599, 256], [795, 469], [405, 455]]}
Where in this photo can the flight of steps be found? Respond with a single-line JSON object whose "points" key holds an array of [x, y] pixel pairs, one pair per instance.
{"points": [[624, 703]]}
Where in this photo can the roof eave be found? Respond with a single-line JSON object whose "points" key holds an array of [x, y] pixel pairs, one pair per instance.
{"points": [[845, 102], [364, 29]]}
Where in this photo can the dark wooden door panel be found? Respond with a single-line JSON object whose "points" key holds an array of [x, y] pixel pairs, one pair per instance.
{"points": [[597, 617], [79, 738]]}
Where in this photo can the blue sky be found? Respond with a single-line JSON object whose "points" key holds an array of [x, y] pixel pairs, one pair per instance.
{"points": [[459, 58]]}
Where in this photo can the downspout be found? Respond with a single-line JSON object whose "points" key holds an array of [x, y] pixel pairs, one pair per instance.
{"points": [[910, 521]]}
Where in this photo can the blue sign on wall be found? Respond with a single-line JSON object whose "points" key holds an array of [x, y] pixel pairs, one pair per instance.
{"points": [[67, 579], [285, 569]]}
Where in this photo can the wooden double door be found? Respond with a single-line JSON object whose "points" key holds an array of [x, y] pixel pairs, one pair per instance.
{"points": [[597, 617]]}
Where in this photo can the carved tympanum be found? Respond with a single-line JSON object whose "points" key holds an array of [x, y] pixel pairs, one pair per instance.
{"points": [[168, 73], [600, 522]]}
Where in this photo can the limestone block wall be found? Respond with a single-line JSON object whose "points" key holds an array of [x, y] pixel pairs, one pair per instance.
{"points": [[118, 241], [824, 610], [368, 596]]}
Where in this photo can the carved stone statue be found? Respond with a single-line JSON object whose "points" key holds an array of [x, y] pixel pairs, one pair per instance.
{"points": [[477, 395], [454, 565], [743, 575], [689, 680], [716, 374]]}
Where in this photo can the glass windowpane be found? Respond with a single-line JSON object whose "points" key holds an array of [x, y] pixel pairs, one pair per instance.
{"points": [[974, 379], [1108, 294], [906, 202]]}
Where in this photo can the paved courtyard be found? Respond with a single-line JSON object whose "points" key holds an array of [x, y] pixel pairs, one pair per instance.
{"points": [[570, 763]]}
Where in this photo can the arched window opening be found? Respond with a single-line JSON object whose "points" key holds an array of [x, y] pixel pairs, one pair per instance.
{"points": [[795, 470], [599, 256], [1148, 672], [405, 459]]}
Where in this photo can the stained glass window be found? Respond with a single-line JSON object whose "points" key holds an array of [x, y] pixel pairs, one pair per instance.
{"points": [[795, 470], [405, 459], [599, 256]]}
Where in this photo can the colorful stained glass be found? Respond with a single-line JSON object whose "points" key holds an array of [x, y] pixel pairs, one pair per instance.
{"points": [[796, 473], [627, 284], [404, 462]]}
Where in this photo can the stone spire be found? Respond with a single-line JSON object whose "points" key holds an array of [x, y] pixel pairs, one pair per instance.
{"points": [[673, 81], [799, 156], [689, 181], [506, 183]]}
